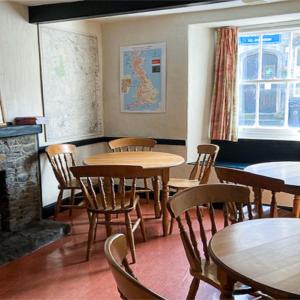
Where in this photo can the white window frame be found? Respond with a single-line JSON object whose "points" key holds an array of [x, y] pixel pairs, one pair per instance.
{"points": [[273, 133]]}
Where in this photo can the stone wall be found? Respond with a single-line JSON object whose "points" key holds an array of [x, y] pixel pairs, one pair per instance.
{"points": [[20, 204]]}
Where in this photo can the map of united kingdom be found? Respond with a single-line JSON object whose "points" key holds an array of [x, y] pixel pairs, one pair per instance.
{"points": [[142, 80]]}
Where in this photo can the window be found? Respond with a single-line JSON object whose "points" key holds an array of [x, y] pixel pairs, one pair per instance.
{"points": [[269, 85]]}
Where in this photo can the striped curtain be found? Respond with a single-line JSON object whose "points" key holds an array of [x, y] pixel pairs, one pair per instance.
{"points": [[224, 107]]}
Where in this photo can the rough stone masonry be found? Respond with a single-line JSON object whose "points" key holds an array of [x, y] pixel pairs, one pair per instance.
{"points": [[20, 204]]}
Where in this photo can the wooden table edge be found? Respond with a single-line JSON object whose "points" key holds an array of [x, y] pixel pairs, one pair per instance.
{"points": [[246, 280]]}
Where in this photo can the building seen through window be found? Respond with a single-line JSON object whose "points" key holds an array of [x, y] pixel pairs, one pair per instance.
{"points": [[269, 80]]}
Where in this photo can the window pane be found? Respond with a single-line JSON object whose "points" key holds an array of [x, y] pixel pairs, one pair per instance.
{"points": [[275, 51], [248, 57], [247, 104], [296, 56], [294, 105], [272, 104]]}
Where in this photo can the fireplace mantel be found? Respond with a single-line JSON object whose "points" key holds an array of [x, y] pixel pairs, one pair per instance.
{"points": [[13, 131]]}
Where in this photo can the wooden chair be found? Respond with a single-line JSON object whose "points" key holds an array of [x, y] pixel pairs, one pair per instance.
{"points": [[138, 144], [258, 183], [129, 287], [61, 158], [108, 202], [207, 155], [186, 205]]}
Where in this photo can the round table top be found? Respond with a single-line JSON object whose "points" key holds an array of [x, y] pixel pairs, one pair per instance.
{"points": [[288, 171], [262, 253], [145, 159]]}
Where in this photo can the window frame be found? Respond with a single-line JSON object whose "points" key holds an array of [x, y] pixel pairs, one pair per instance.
{"points": [[270, 132]]}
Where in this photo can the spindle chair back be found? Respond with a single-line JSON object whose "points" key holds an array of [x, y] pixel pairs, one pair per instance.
{"points": [[61, 158], [132, 144], [104, 199], [185, 207], [207, 155], [258, 183], [115, 249], [129, 144]]}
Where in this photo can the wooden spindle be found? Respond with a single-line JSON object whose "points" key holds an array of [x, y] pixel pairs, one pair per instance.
{"points": [[212, 218], [112, 193], [192, 234], [122, 193], [102, 192], [202, 232]]}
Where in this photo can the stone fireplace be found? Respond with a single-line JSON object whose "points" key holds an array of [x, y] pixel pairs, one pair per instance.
{"points": [[21, 228], [20, 199]]}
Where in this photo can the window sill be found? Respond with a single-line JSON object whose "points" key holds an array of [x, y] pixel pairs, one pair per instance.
{"points": [[269, 134]]}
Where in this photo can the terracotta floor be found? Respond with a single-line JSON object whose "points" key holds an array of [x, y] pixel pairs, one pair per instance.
{"points": [[59, 270]]}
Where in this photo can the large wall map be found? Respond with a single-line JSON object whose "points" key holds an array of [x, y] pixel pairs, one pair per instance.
{"points": [[143, 78], [71, 85]]}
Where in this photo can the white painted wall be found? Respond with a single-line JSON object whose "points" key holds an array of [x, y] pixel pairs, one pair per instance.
{"points": [[19, 65], [200, 62], [20, 76]]}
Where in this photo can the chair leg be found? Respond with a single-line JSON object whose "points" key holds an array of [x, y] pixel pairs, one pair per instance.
{"points": [[171, 225], [273, 211], [95, 231], [91, 236], [108, 226], [140, 216], [172, 221], [193, 288], [146, 187], [58, 204], [72, 202], [130, 237]]}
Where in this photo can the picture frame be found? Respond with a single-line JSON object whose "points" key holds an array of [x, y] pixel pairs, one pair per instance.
{"points": [[143, 78], [2, 114]]}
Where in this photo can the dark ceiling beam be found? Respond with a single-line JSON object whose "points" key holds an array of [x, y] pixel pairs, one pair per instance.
{"points": [[92, 9]]}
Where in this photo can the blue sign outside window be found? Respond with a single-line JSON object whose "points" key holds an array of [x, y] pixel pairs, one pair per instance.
{"points": [[254, 39]]}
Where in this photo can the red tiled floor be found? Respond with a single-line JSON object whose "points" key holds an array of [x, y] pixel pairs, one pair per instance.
{"points": [[59, 270]]}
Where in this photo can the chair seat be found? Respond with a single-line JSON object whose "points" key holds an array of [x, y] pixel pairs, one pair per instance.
{"points": [[118, 208], [209, 275], [181, 183], [72, 184]]}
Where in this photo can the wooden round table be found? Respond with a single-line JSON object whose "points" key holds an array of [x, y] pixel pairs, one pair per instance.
{"points": [[288, 171], [154, 163], [262, 253]]}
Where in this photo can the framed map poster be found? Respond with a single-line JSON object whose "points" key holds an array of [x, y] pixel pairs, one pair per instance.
{"points": [[71, 85], [143, 78]]}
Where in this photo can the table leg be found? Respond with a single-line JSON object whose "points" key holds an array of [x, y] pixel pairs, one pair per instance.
{"points": [[157, 208], [296, 207], [226, 285], [165, 195]]}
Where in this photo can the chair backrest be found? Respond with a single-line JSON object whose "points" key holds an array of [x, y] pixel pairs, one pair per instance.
{"points": [[257, 182], [61, 158], [207, 155], [106, 177], [132, 144], [115, 249], [187, 205]]}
